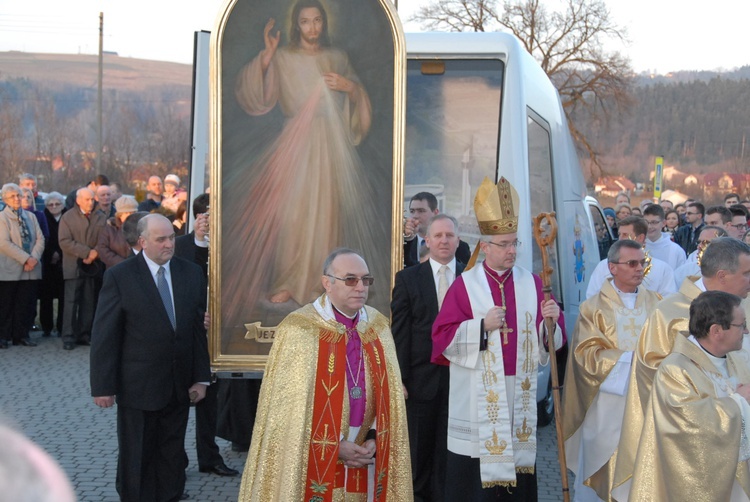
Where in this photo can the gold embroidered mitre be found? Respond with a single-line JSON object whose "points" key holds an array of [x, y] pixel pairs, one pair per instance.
{"points": [[496, 207]]}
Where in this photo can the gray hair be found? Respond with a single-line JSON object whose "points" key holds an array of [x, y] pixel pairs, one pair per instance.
{"points": [[130, 227], [723, 254], [442, 216], [54, 196], [613, 256], [720, 232], [9, 187], [23, 473], [27, 176], [335, 254], [143, 230]]}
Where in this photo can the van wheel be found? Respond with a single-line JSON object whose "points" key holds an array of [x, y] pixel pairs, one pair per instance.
{"points": [[545, 409]]}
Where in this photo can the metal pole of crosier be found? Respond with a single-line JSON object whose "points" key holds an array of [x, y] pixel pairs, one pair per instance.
{"points": [[545, 240]]}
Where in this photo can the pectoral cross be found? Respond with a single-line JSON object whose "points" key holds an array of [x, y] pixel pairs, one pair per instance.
{"points": [[326, 442], [505, 330]]}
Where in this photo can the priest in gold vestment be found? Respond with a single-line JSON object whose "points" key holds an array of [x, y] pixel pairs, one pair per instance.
{"points": [[331, 421], [598, 370], [694, 445], [725, 266]]}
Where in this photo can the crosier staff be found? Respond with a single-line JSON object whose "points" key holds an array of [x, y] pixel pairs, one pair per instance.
{"points": [[544, 241]]}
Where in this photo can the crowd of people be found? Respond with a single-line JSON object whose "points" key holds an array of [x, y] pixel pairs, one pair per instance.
{"points": [[656, 390], [436, 405]]}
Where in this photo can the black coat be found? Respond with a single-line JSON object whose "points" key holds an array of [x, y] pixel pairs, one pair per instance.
{"points": [[414, 307], [135, 354]]}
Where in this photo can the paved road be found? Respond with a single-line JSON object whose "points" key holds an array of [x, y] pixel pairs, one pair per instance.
{"points": [[45, 392]]}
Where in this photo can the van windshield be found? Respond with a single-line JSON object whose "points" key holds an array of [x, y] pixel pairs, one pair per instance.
{"points": [[452, 132]]}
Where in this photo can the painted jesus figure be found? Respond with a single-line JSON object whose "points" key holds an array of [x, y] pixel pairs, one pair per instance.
{"points": [[306, 189]]}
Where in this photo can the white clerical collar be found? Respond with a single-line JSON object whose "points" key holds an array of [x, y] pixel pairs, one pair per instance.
{"points": [[628, 299], [499, 272], [719, 362], [436, 266]]}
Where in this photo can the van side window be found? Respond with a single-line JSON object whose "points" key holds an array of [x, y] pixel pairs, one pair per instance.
{"points": [[542, 187]]}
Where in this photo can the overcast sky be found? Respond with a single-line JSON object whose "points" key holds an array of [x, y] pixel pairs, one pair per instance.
{"points": [[665, 35]]}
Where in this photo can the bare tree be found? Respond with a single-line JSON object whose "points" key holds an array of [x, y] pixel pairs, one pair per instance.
{"points": [[567, 43]]}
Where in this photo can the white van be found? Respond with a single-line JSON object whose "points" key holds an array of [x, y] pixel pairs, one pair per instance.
{"points": [[479, 105]]}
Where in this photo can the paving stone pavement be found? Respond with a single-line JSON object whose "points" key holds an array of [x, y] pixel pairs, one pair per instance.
{"points": [[44, 391]]}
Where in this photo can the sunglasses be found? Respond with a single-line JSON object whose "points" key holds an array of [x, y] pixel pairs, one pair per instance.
{"points": [[352, 281], [631, 263]]}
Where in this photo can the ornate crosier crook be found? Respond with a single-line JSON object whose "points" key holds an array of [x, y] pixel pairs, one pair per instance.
{"points": [[545, 231]]}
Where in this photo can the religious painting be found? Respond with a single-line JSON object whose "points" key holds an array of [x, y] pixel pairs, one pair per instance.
{"points": [[306, 157]]}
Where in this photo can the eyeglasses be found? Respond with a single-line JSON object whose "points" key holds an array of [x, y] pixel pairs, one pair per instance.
{"points": [[505, 245], [743, 325], [631, 263], [654, 222], [740, 226], [54, 204], [352, 281]]}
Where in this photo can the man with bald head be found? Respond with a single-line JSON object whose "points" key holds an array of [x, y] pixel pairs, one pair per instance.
{"points": [[78, 235], [155, 189], [149, 353], [337, 429], [104, 200]]}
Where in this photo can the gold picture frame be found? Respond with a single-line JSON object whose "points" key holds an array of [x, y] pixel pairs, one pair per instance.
{"points": [[295, 169]]}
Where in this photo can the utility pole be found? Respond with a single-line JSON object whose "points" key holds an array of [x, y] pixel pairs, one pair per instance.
{"points": [[99, 141]]}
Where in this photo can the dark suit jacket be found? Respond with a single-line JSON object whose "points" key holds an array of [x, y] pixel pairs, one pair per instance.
{"points": [[184, 247], [682, 237], [414, 307], [135, 353], [411, 255]]}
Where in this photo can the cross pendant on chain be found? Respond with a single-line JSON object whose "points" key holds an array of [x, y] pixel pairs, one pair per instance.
{"points": [[505, 330]]}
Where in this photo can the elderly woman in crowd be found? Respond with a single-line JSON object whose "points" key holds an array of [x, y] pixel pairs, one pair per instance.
{"points": [[112, 246], [28, 205], [622, 211], [21, 248], [53, 285]]}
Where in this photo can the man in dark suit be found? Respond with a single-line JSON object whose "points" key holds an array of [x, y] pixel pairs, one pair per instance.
{"points": [[194, 247], [149, 351], [417, 295], [422, 207]]}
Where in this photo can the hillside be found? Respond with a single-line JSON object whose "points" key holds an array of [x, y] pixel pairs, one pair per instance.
{"points": [[81, 70]]}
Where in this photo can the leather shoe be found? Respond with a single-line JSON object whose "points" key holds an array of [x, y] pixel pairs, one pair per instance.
{"points": [[84, 341], [219, 469], [184, 496], [69, 345], [26, 342]]}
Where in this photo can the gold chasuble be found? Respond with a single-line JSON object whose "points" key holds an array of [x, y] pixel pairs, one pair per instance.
{"points": [[667, 321], [606, 333], [303, 414], [694, 444]]}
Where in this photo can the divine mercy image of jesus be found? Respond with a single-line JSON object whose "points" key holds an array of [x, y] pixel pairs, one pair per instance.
{"points": [[305, 189]]}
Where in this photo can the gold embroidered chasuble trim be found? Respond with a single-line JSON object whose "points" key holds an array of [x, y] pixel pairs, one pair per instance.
{"points": [[283, 436], [506, 448]]}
